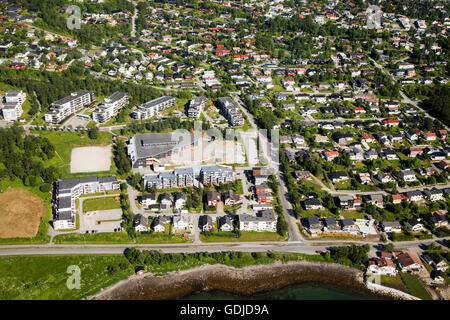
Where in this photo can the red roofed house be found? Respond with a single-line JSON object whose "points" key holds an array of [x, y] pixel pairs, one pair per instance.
{"points": [[430, 136], [368, 139], [330, 155], [414, 152], [397, 198], [391, 122], [443, 134], [409, 262]]}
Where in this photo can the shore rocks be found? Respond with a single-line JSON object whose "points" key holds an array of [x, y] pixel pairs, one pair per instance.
{"points": [[244, 282]]}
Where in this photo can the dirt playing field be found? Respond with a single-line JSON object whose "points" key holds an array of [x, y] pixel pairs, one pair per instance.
{"points": [[20, 213], [90, 159]]}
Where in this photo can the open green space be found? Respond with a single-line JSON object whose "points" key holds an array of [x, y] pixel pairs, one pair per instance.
{"points": [[97, 238], [105, 203], [64, 142], [245, 236], [45, 278], [159, 238], [414, 286]]}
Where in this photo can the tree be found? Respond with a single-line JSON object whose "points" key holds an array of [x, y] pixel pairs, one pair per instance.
{"points": [[93, 133], [388, 247]]}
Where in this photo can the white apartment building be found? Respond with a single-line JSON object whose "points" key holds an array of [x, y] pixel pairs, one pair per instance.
{"points": [[12, 105], [67, 106], [152, 108], [110, 107], [196, 107], [263, 221]]}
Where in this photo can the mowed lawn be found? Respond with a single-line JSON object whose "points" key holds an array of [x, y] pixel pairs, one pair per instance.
{"points": [[245, 236], [45, 278], [64, 142], [96, 204], [414, 286], [97, 238]]}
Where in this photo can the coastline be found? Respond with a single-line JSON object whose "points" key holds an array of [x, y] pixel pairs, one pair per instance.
{"points": [[239, 281]]}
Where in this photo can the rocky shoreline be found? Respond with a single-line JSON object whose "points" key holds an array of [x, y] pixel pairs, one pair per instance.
{"points": [[240, 281]]}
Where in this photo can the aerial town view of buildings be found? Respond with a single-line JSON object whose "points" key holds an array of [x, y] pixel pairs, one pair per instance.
{"points": [[142, 125]]}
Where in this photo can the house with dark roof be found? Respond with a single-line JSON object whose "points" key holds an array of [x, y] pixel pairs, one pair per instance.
{"points": [[435, 261], [312, 224], [312, 204], [414, 224], [205, 223], [331, 225], [349, 226], [212, 198], [140, 223], [226, 223], [338, 176]]}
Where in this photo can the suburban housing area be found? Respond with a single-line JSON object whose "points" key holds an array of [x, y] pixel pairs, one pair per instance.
{"points": [[317, 130]]}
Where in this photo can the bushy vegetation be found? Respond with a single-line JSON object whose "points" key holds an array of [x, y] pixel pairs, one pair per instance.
{"points": [[25, 156], [354, 256]]}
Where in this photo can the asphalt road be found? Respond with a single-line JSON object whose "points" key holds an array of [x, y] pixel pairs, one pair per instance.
{"points": [[309, 247]]}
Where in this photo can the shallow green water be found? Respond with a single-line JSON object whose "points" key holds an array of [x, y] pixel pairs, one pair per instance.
{"points": [[296, 292]]}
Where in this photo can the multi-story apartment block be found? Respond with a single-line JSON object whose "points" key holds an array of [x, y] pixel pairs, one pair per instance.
{"points": [[178, 178], [12, 106], [67, 190], [231, 111], [67, 106], [110, 107], [216, 174], [152, 108], [196, 107]]}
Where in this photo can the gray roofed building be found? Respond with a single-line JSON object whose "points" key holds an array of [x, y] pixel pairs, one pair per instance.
{"points": [[147, 149], [152, 108], [226, 223], [140, 223], [331, 224], [205, 223]]}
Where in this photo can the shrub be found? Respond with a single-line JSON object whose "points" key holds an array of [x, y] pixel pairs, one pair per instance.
{"points": [[46, 187]]}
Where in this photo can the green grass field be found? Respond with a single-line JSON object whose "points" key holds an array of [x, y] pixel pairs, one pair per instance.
{"points": [[160, 238], [64, 142], [354, 214], [45, 278], [98, 238], [414, 286], [245, 236], [105, 203]]}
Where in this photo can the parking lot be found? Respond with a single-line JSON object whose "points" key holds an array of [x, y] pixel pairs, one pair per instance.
{"points": [[102, 221]]}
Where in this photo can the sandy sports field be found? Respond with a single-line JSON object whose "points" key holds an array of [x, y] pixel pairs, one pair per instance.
{"points": [[90, 159], [20, 213]]}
